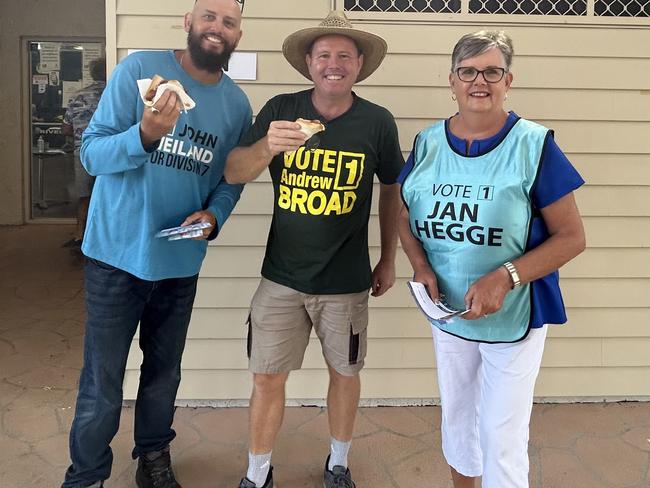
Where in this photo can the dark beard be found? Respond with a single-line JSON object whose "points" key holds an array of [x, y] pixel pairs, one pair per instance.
{"points": [[209, 61]]}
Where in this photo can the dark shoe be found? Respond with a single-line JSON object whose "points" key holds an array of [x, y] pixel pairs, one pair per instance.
{"points": [[155, 470], [246, 483], [73, 243], [339, 477]]}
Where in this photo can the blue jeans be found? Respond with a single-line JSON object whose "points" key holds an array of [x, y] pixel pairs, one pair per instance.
{"points": [[116, 302]]}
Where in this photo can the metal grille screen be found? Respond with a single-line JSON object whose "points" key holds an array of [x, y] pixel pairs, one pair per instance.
{"points": [[622, 8], [528, 7], [602, 8], [430, 6]]}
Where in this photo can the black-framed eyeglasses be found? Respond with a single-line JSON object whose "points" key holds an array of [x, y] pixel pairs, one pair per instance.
{"points": [[491, 75]]}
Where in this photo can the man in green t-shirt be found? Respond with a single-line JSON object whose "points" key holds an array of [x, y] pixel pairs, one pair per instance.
{"points": [[316, 270]]}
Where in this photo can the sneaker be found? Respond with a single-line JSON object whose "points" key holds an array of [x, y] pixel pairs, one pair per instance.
{"points": [[155, 470], [246, 483], [338, 477]]}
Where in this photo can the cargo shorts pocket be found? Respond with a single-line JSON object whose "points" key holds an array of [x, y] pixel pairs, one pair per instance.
{"points": [[249, 336], [358, 334]]}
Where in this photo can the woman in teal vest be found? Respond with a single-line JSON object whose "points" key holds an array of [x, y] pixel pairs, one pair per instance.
{"points": [[489, 216]]}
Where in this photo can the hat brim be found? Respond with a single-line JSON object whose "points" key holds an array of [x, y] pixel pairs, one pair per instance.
{"points": [[372, 46]]}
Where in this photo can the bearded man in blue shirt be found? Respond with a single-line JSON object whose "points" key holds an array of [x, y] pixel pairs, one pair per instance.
{"points": [[155, 167]]}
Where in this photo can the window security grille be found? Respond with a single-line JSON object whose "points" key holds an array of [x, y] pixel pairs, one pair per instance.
{"points": [[528, 7], [430, 6], [622, 8], [601, 8]]}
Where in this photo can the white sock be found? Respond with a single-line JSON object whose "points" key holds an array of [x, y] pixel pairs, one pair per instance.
{"points": [[338, 453], [258, 467]]}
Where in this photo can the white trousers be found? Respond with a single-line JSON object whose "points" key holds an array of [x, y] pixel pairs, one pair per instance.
{"points": [[486, 392]]}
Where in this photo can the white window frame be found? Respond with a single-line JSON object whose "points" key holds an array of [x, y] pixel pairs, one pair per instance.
{"points": [[465, 18]]}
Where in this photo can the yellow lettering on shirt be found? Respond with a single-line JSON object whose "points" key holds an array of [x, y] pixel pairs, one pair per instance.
{"points": [[320, 181]]}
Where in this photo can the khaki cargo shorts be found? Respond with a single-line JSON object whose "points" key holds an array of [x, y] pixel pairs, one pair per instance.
{"points": [[280, 323]]}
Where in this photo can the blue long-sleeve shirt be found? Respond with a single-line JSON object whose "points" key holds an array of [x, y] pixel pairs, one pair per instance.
{"points": [[139, 192]]}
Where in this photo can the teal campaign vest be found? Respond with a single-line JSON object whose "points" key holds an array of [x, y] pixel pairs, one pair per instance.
{"points": [[471, 214]]}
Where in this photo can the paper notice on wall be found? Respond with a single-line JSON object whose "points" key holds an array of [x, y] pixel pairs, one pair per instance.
{"points": [[50, 57], [242, 66], [91, 51], [69, 89], [131, 51], [54, 78], [40, 79]]}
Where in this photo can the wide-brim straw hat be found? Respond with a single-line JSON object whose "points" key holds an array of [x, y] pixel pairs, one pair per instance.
{"points": [[372, 46]]}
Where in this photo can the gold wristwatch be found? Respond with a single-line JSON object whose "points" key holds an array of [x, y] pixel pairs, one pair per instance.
{"points": [[513, 274]]}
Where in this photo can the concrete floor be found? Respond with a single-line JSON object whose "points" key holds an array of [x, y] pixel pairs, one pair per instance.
{"points": [[41, 333]]}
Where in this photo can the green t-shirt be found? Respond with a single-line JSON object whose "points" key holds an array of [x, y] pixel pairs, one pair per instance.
{"points": [[318, 240]]}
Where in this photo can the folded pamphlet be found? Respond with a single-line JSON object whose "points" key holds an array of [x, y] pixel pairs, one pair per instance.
{"points": [[184, 231], [436, 310]]}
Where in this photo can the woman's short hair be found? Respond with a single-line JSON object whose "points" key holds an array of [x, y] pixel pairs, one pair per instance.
{"points": [[477, 43]]}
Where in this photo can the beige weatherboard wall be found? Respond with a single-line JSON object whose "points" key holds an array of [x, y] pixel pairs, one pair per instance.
{"points": [[586, 78]]}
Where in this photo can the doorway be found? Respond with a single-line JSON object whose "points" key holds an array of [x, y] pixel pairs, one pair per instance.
{"points": [[58, 69]]}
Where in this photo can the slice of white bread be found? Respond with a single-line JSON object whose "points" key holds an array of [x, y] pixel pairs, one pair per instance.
{"points": [[310, 127]]}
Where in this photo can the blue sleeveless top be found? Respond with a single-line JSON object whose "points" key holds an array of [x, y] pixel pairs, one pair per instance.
{"points": [[472, 213]]}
